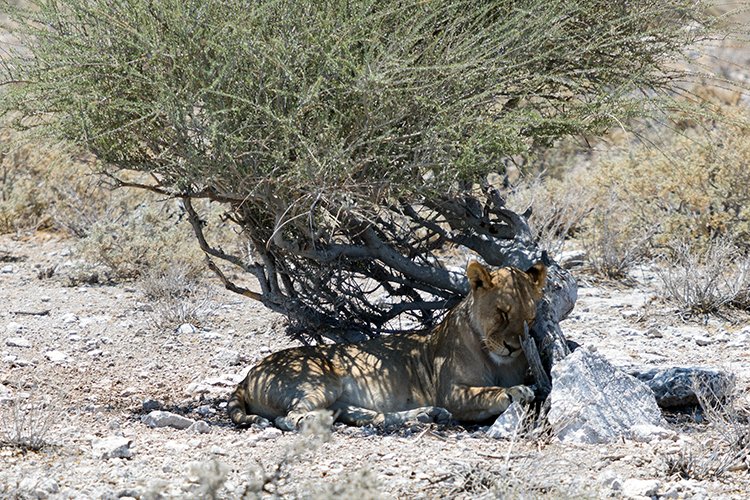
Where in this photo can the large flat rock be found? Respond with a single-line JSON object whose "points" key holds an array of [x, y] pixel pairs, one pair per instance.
{"points": [[594, 402]]}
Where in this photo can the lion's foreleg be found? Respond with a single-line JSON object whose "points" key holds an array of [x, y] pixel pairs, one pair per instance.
{"points": [[480, 403]]}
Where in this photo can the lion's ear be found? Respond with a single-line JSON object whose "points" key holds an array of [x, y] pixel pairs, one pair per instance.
{"points": [[538, 275], [478, 275]]}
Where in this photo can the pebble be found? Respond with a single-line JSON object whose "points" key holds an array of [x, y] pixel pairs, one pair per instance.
{"points": [[7, 269], [112, 447], [13, 327], [267, 434], [129, 391], [654, 333], [151, 405], [186, 328], [200, 427], [17, 342], [56, 356], [68, 318], [703, 341], [647, 433], [637, 488], [158, 418]]}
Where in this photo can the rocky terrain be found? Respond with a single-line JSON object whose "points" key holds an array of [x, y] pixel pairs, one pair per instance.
{"points": [[86, 371]]}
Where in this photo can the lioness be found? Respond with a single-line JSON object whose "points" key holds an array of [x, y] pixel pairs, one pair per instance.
{"points": [[470, 367]]}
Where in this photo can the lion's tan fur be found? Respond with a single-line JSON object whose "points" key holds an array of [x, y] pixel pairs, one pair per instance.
{"points": [[470, 365]]}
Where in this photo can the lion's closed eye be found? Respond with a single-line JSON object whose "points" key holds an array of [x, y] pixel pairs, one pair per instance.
{"points": [[502, 316]]}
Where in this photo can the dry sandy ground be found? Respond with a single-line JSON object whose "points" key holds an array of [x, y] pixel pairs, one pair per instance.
{"points": [[108, 358]]}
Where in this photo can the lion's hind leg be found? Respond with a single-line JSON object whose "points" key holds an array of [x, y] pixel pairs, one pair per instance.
{"points": [[358, 416], [308, 400]]}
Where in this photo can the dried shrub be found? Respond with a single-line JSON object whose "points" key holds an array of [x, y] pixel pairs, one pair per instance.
{"points": [[149, 238], [612, 244], [725, 443], [178, 295], [692, 183], [559, 206], [706, 279], [25, 420]]}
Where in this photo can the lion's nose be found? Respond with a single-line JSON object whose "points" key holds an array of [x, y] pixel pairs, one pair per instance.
{"points": [[510, 348]]}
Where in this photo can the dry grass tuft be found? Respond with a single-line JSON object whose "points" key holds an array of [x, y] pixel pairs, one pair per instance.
{"points": [[725, 443], [25, 420], [707, 279]]}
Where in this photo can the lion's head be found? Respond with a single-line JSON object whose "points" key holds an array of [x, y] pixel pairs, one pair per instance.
{"points": [[502, 301]]}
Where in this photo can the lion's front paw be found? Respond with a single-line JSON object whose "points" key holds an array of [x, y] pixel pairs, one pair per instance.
{"points": [[286, 423], [521, 393], [435, 414]]}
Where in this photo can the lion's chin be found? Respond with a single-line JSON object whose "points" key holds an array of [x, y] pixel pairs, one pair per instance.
{"points": [[504, 356]]}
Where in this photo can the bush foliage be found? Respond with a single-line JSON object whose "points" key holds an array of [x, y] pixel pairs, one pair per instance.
{"points": [[348, 140]]}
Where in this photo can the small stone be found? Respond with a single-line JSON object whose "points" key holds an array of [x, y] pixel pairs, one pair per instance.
{"points": [[640, 488], [68, 318], [186, 328], [160, 418], [17, 342], [703, 341], [610, 480], [205, 411], [45, 298], [74, 338], [267, 434], [200, 427], [7, 269], [113, 447], [509, 423], [13, 327], [217, 450], [56, 356], [646, 433], [151, 405], [654, 333], [129, 391]]}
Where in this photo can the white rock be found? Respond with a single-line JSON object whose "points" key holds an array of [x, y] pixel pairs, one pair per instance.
{"points": [[646, 433], [68, 318], [13, 327], [129, 391], [704, 341], [158, 418], [636, 488], [217, 450], [186, 328], [112, 447], [594, 402], [267, 434], [509, 423], [7, 269], [200, 427], [17, 342], [56, 356], [610, 480]]}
